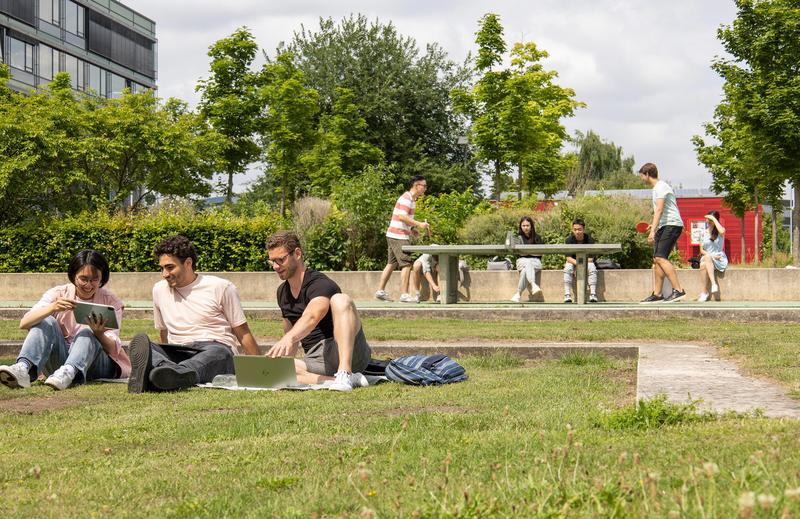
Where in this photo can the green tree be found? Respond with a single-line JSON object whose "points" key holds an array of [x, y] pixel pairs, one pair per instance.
{"points": [[288, 127], [137, 147], [401, 93], [62, 152], [760, 105], [599, 165], [341, 150], [741, 165], [38, 156], [516, 112], [230, 101]]}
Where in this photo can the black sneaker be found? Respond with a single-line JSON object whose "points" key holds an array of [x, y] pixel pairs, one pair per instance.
{"points": [[675, 296], [652, 298], [171, 377], [139, 351]]}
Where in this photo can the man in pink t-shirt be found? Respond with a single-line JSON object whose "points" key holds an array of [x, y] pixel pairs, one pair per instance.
{"points": [[400, 228], [200, 319]]}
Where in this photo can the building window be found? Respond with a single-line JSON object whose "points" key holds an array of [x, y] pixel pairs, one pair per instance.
{"points": [[97, 80], [48, 62], [117, 86], [20, 54], [50, 12], [75, 68], [74, 17]]}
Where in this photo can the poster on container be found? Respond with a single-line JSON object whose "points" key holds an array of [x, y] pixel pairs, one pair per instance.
{"points": [[698, 227]]}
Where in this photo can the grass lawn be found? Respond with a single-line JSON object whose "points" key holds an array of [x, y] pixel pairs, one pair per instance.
{"points": [[551, 438], [518, 439], [769, 350]]}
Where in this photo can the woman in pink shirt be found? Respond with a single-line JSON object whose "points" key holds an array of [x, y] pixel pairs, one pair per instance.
{"points": [[58, 346]]}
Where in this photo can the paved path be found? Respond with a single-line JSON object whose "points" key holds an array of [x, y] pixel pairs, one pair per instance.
{"points": [[680, 370]]}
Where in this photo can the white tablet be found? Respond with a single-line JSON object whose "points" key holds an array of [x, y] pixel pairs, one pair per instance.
{"points": [[84, 310]]}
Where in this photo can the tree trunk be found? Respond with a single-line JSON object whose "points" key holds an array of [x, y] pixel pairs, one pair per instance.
{"points": [[283, 194], [756, 241], [743, 259], [796, 226], [774, 241], [497, 177], [229, 191], [519, 183]]}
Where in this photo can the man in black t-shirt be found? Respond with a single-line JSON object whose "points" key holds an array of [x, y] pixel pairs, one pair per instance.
{"points": [[318, 316], [579, 235]]}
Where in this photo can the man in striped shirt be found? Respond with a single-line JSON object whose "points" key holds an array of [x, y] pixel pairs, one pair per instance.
{"points": [[400, 228]]}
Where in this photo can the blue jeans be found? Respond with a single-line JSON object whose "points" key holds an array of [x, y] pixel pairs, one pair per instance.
{"points": [[207, 358], [46, 350]]}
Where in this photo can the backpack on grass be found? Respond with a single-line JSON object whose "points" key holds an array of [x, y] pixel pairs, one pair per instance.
{"points": [[425, 370]]}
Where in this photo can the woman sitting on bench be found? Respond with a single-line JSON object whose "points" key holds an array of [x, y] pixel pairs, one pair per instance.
{"points": [[528, 266]]}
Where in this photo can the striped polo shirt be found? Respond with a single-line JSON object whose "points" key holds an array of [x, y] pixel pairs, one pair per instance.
{"points": [[398, 229]]}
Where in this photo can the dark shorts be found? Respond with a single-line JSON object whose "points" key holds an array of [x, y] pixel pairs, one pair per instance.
{"points": [[665, 240], [323, 357], [396, 255]]}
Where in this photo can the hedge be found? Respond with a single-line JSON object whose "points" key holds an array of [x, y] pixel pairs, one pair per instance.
{"points": [[224, 242]]}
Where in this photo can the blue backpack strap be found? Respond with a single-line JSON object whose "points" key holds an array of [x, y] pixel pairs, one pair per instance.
{"points": [[431, 360]]}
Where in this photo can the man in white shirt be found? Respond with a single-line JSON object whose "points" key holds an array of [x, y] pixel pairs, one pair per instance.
{"points": [[665, 230], [400, 228], [200, 319]]}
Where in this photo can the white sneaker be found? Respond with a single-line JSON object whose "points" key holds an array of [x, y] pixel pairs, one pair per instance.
{"points": [[515, 298], [703, 297], [383, 295], [61, 379], [535, 289], [358, 380], [592, 298], [342, 382], [406, 298], [15, 376], [714, 288]]}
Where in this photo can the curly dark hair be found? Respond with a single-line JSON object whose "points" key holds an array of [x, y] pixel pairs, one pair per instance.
{"points": [[178, 246]]}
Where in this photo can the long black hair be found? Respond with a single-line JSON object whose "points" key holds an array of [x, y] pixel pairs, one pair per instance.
{"points": [[714, 232], [533, 228]]}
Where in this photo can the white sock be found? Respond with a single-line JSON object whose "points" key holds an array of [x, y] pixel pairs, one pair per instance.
{"points": [[25, 363]]}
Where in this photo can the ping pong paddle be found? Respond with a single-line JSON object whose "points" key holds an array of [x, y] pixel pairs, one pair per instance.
{"points": [[642, 227]]}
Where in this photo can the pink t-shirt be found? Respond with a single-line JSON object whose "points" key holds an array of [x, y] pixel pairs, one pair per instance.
{"points": [[70, 328], [405, 206], [205, 310]]}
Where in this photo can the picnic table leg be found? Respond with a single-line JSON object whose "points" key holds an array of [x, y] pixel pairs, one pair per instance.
{"points": [[448, 278], [580, 285]]}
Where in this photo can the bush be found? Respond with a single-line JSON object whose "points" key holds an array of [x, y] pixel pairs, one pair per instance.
{"points": [[326, 245], [224, 242], [367, 202], [447, 213], [608, 220]]}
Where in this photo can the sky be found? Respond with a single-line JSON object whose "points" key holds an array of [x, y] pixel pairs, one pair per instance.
{"points": [[642, 67]]}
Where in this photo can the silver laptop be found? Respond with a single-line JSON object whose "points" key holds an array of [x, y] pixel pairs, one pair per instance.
{"points": [[267, 372]]}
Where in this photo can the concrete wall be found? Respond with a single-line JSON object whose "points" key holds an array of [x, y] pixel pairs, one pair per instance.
{"points": [[481, 286]]}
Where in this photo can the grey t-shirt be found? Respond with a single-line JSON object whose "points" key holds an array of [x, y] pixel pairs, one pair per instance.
{"points": [[671, 215]]}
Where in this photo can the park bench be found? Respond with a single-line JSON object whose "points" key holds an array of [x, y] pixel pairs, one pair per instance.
{"points": [[448, 260]]}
